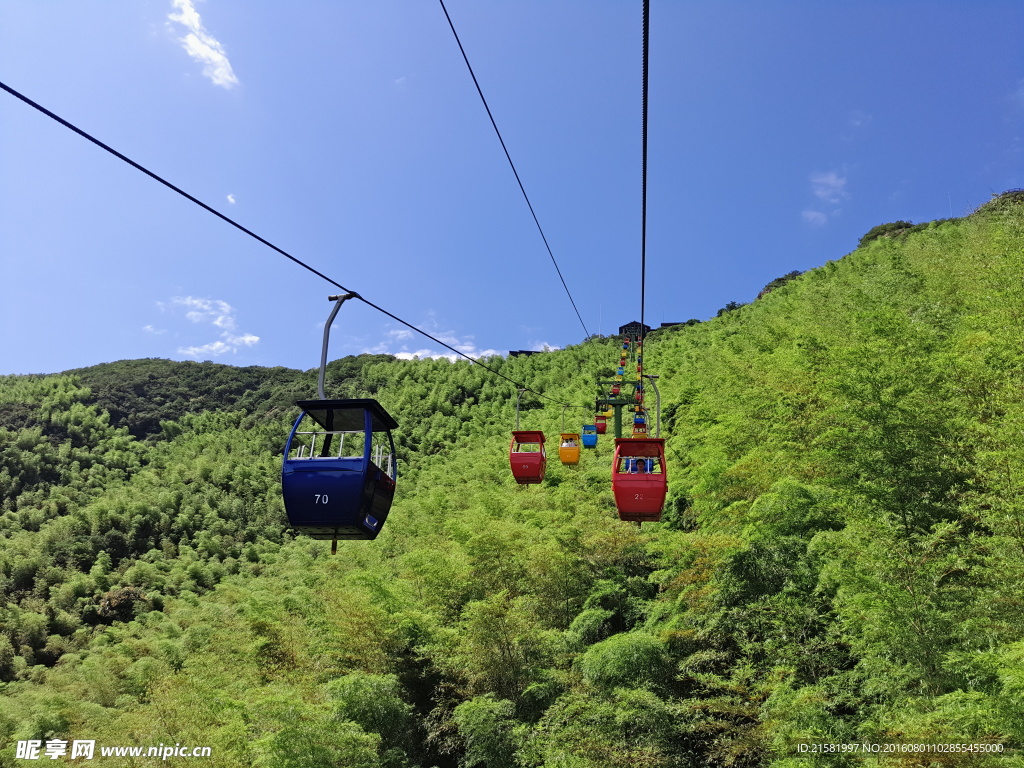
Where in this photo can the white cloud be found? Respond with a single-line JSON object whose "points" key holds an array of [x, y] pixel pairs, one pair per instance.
{"points": [[213, 349], [207, 311], [420, 353], [231, 199], [543, 346], [151, 329], [464, 345], [202, 46], [1017, 97], [817, 218], [245, 340], [220, 315], [860, 119], [830, 187]]}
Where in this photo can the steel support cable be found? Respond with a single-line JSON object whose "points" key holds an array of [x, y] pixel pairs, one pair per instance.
{"points": [[643, 205], [513, 167], [253, 235], [643, 209], [163, 181]]}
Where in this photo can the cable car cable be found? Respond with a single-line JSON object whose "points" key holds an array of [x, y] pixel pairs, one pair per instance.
{"points": [[639, 471], [513, 166], [643, 205], [163, 181], [252, 234]]}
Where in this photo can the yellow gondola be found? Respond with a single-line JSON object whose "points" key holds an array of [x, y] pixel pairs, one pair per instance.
{"points": [[569, 448]]}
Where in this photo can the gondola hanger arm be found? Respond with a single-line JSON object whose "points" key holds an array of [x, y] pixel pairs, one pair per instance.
{"points": [[339, 299]]}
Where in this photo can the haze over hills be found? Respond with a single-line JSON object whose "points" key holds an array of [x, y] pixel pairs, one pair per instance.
{"points": [[840, 558]]}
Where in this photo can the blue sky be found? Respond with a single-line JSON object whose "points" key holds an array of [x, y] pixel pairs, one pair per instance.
{"points": [[350, 134]]}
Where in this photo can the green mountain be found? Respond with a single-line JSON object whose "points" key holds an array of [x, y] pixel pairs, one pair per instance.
{"points": [[840, 560]]}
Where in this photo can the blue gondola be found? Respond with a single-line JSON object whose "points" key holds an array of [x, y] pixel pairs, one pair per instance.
{"points": [[339, 471], [589, 437]]}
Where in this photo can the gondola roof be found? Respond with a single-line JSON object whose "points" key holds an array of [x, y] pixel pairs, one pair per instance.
{"points": [[347, 415]]}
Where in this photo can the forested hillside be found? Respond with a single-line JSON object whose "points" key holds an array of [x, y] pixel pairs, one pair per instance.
{"points": [[840, 561]]}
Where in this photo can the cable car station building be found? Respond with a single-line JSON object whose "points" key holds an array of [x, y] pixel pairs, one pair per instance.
{"points": [[634, 330]]}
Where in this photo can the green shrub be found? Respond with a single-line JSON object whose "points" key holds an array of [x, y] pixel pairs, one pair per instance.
{"points": [[631, 659]]}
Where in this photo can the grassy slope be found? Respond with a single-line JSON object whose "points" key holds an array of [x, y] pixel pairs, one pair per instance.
{"points": [[840, 561]]}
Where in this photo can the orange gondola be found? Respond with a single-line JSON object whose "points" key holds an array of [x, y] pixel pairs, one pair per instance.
{"points": [[639, 478], [569, 450], [526, 456]]}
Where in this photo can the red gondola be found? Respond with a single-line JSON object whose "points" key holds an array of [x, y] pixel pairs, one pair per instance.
{"points": [[639, 478], [601, 423], [526, 456]]}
